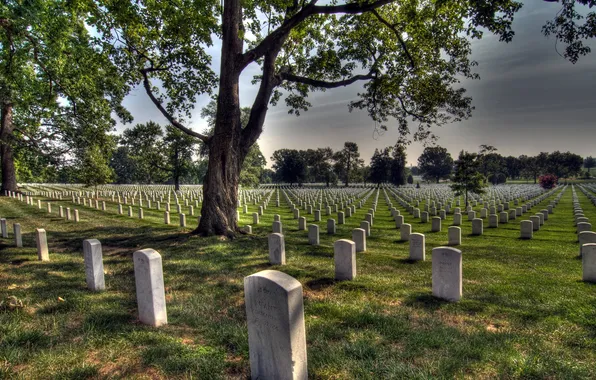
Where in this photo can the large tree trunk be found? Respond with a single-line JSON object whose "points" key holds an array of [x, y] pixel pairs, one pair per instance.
{"points": [[176, 171], [220, 188], [226, 150], [9, 176]]}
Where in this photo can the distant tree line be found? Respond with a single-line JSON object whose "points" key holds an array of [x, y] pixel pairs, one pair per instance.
{"points": [[322, 165], [435, 163]]}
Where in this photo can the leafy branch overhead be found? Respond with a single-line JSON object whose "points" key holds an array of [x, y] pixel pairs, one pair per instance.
{"points": [[409, 55]]}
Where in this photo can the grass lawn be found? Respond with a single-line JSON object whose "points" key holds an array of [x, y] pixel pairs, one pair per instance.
{"points": [[525, 313]]}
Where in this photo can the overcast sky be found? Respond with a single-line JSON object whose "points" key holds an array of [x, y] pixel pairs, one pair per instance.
{"points": [[528, 100]]}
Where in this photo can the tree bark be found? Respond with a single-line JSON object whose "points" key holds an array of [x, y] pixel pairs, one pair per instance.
{"points": [[9, 177], [226, 148], [176, 171]]}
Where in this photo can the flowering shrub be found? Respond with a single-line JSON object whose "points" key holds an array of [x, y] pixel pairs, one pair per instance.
{"points": [[548, 181]]}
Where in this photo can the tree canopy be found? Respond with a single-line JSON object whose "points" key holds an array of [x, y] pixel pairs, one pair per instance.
{"points": [[58, 87], [435, 163]]}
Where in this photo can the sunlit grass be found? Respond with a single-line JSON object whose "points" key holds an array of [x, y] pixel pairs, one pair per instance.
{"points": [[524, 313]]}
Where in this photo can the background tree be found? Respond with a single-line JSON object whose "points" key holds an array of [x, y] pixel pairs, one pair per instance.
{"points": [[532, 167], [563, 164], [55, 81], [94, 168], [144, 145], [467, 178], [319, 164], [347, 161], [380, 166], [123, 165], [548, 181], [252, 168], [304, 47], [289, 165], [398, 165], [491, 163], [435, 163], [568, 28], [267, 176], [513, 167], [410, 179], [589, 163], [178, 149]]}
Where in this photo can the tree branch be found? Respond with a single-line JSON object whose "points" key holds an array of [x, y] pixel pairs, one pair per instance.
{"points": [[324, 84], [397, 34], [272, 40], [164, 112]]}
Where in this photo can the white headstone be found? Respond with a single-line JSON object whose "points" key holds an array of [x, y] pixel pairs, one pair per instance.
{"points": [[477, 228], [436, 224], [359, 238], [345, 259], [331, 226], [276, 333], [585, 237], [93, 264], [454, 235], [4, 228], [447, 273], [42, 244], [18, 239], [313, 234], [589, 262], [417, 247], [277, 227], [405, 230], [277, 249], [151, 298], [526, 229]]}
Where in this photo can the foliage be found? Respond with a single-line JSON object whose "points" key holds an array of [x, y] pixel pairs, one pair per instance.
{"points": [[435, 163], [589, 162], [252, 168], [319, 163], [567, 28], [147, 155], [178, 149], [267, 176], [497, 179], [564, 164], [380, 166], [398, 165], [513, 166], [347, 161], [143, 144], [289, 166], [57, 80], [409, 57], [548, 181], [94, 167], [467, 179], [410, 179]]}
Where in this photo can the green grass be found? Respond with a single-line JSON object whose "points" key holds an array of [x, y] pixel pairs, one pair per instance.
{"points": [[525, 313]]}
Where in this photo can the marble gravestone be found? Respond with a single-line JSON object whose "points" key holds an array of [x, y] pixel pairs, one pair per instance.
{"points": [[344, 255], [151, 298], [93, 264], [417, 247], [277, 249], [447, 273], [276, 332]]}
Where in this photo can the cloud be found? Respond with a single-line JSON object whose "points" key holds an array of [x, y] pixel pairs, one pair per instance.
{"points": [[528, 100]]}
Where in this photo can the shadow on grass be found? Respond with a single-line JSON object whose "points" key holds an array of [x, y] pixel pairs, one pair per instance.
{"points": [[408, 261], [425, 301], [109, 322], [320, 283]]}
